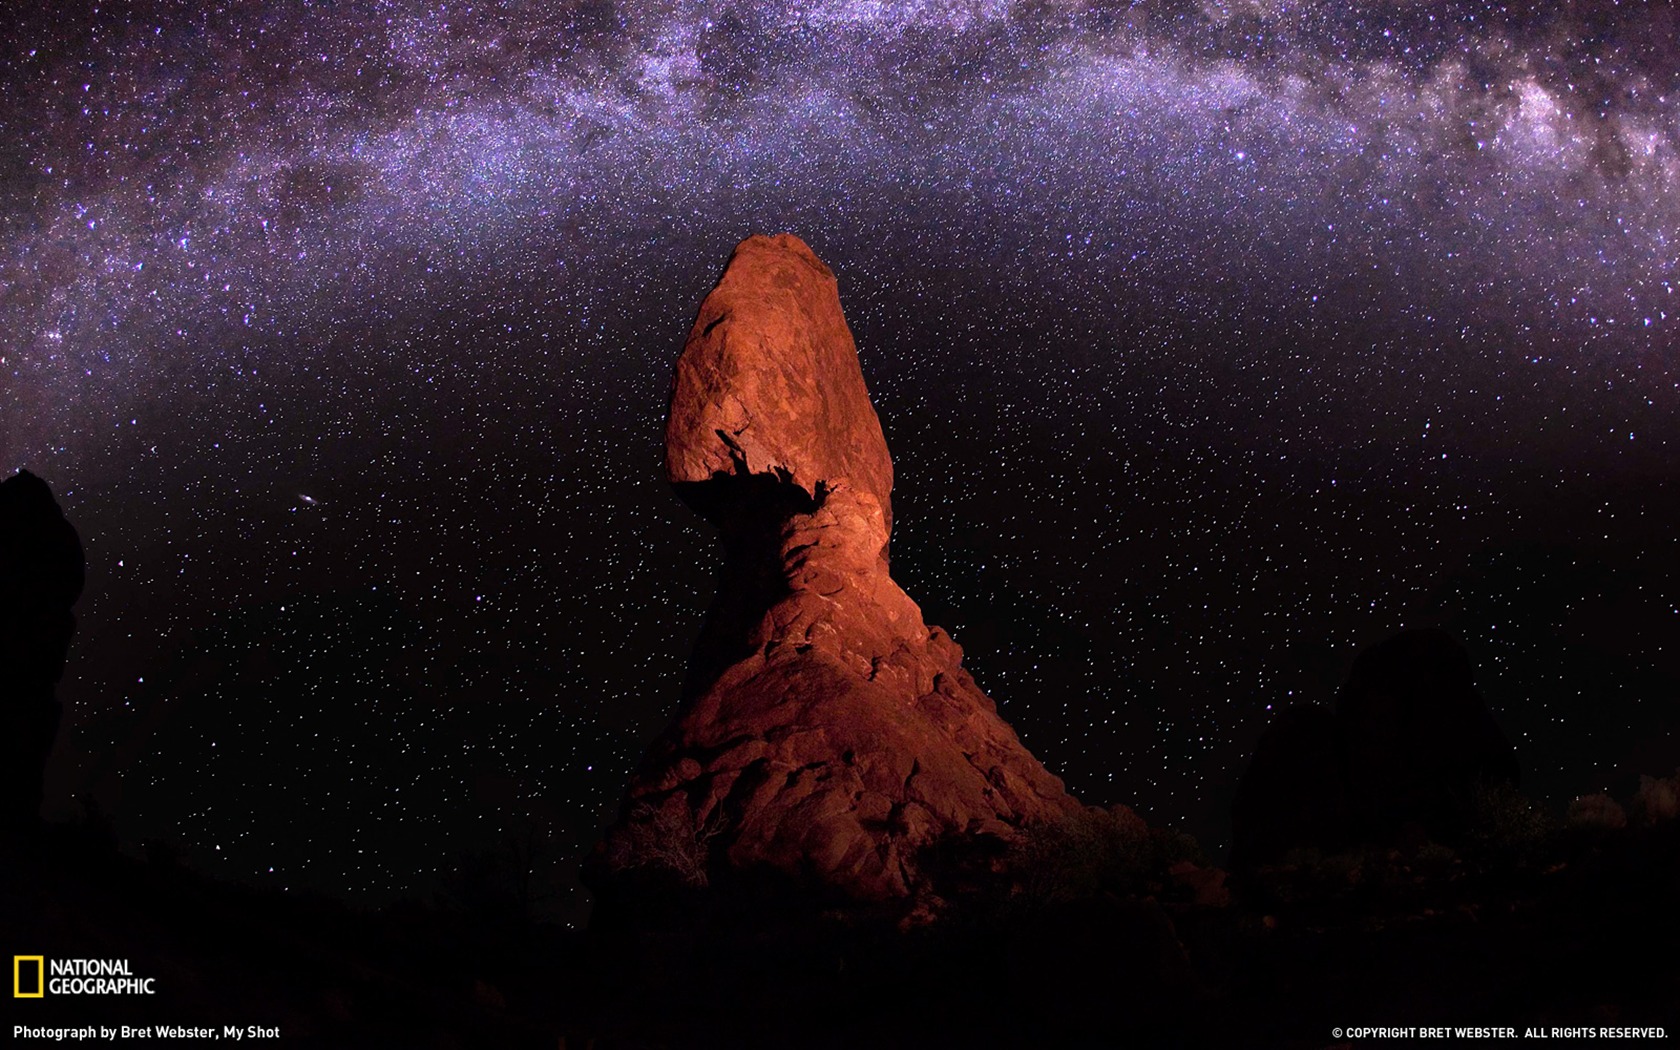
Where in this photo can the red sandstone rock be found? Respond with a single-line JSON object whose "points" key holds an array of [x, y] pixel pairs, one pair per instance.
{"points": [[1206, 885], [828, 733], [769, 383]]}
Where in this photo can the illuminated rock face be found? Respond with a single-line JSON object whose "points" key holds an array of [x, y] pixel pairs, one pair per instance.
{"points": [[827, 733]]}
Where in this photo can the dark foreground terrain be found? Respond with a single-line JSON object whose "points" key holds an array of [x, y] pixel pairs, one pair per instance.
{"points": [[1087, 941]]}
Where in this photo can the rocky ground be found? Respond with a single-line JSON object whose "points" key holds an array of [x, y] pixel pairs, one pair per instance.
{"points": [[1089, 940]]}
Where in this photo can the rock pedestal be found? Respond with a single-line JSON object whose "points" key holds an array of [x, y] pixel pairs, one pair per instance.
{"points": [[827, 733]]}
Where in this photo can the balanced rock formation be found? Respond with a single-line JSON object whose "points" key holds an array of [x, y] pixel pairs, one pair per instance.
{"points": [[827, 733], [41, 576], [1402, 753]]}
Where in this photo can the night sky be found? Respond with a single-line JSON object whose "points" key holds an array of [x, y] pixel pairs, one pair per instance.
{"points": [[1212, 341]]}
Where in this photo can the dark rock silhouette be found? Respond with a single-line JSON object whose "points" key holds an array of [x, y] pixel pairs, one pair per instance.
{"points": [[1401, 754], [827, 733], [1417, 736], [41, 576], [1294, 792]]}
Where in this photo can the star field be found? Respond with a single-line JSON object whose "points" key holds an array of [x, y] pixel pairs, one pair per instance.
{"points": [[1212, 341]]}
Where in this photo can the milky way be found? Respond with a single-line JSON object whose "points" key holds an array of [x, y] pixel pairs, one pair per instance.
{"points": [[1212, 341]]}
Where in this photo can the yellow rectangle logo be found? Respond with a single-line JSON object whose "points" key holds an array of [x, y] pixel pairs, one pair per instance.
{"points": [[40, 982]]}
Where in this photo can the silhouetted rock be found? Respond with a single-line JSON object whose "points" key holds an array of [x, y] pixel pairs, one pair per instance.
{"points": [[827, 733], [1294, 792], [41, 576], [1402, 754], [1418, 736]]}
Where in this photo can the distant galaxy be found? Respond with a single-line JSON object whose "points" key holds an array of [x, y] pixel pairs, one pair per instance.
{"points": [[1213, 341]]}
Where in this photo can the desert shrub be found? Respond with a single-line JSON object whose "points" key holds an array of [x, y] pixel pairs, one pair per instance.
{"points": [[1307, 873], [1093, 854], [1503, 818], [1433, 856], [667, 837], [1301, 858], [1171, 846], [1596, 811], [1658, 799]]}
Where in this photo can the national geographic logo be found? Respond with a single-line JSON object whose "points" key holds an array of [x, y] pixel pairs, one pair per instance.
{"points": [[35, 977], [29, 976]]}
